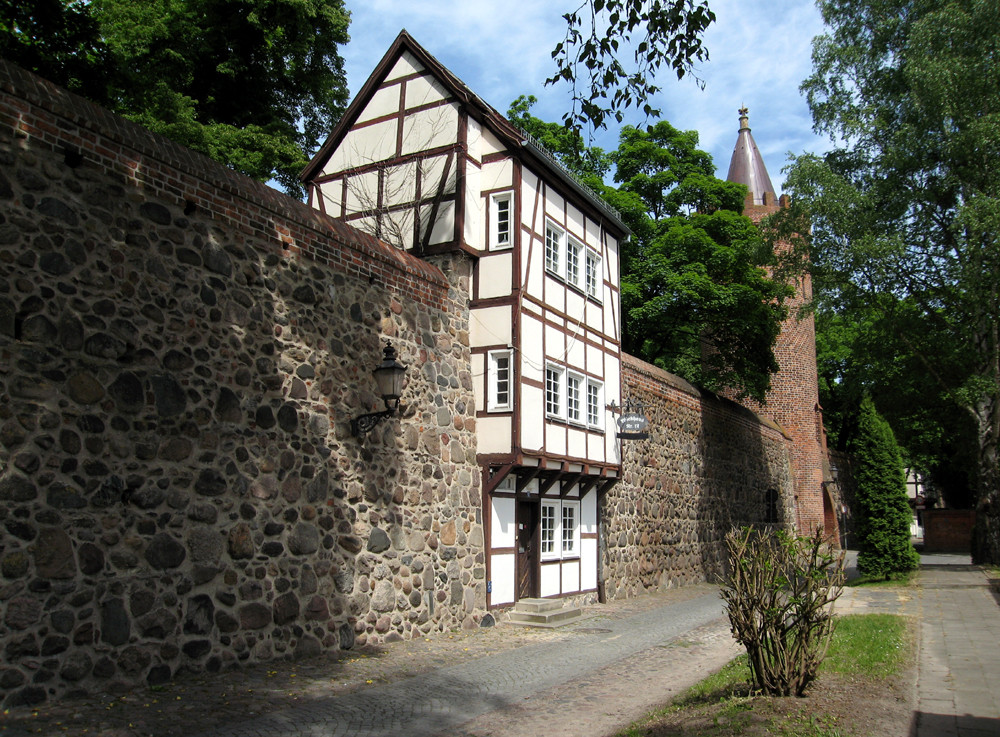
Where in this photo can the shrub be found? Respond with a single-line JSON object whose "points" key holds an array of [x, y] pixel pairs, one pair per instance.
{"points": [[881, 507], [779, 592]]}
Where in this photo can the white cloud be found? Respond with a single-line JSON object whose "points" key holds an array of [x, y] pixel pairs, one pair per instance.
{"points": [[760, 53]]}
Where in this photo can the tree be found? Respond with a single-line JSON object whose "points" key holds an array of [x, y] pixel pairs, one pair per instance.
{"points": [[254, 84], [602, 34], [908, 204], [697, 298], [882, 509]]}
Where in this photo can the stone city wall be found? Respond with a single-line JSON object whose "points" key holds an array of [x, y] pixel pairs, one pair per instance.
{"points": [[707, 466], [181, 351]]}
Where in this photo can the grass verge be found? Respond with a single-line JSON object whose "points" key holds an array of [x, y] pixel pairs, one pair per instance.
{"points": [[866, 653]]}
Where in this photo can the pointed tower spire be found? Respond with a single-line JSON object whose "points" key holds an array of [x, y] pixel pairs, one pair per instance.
{"points": [[747, 166]]}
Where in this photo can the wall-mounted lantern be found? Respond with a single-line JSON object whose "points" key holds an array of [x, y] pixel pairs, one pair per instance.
{"points": [[389, 380]]}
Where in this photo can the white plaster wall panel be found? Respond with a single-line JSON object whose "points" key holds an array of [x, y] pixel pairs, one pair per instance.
{"points": [[576, 443], [595, 361], [611, 259], [376, 142], [555, 438], [493, 434], [401, 183], [404, 67], [498, 175], [588, 565], [385, 101], [432, 175], [533, 270], [502, 572], [362, 192], [550, 583], [502, 532], [423, 91], [555, 343], [491, 144], [490, 326], [570, 576], [574, 222], [443, 227], [576, 303], [397, 228], [474, 139], [532, 360], [532, 418], [475, 209], [596, 446], [429, 129], [554, 205], [576, 349], [588, 513], [495, 274], [332, 194], [479, 380]]}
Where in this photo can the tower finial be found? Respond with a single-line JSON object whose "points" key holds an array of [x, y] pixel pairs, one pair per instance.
{"points": [[744, 120]]}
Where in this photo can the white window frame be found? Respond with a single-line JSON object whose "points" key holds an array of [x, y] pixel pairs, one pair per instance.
{"points": [[593, 286], [494, 381], [555, 383], [574, 262], [575, 397], [496, 200], [550, 537], [594, 402], [572, 535], [555, 242]]}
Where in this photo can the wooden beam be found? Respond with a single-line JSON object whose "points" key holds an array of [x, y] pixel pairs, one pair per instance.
{"points": [[524, 479]]}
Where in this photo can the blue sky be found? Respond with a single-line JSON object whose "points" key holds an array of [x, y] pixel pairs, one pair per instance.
{"points": [[760, 53]]}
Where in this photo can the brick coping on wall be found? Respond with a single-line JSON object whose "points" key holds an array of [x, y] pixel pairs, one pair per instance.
{"points": [[675, 382]]}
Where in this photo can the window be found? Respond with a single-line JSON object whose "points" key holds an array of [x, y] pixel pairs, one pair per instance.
{"points": [[771, 506], [573, 253], [593, 275], [501, 235], [573, 389], [499, 381], [594, 414], [570, 530], [553, 247], [553, 391], [548, 547]]}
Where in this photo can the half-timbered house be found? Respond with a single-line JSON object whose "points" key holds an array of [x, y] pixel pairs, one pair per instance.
{"points": [[423, 163]]}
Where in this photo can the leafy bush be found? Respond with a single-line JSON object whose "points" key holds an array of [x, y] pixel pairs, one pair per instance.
{"points": [[778, 594], [881, 506]]}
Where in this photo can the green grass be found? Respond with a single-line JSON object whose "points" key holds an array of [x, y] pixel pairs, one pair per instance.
{"points": [[863, 645], [905, 578], [872, 645]]}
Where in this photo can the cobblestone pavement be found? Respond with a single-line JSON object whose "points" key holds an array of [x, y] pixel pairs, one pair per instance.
{"points": [[426, 687]]}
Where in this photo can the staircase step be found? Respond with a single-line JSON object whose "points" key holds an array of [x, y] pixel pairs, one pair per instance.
{"points": [[549, 619], [538, 605]]}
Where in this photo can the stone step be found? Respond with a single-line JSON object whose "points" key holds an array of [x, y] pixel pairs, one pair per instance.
{"points": [[538, 605], [547, 619]]}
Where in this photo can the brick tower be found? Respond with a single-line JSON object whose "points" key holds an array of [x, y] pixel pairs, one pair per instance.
{"points": [[793, 401]]}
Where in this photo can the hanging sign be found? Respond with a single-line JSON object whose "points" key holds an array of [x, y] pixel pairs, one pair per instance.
{"points": [[633, 423]]}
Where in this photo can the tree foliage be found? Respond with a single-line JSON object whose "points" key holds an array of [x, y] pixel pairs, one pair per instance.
{"points": [[697, 297], [613, 49], [254, 84], [906, 209], [882, 509]]}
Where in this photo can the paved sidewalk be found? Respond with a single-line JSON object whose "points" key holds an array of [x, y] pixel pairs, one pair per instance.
{"points": [[579, 680], [958, 686]]}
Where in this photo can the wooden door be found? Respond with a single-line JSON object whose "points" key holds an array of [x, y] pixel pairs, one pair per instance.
{"points": [[527, 550]]}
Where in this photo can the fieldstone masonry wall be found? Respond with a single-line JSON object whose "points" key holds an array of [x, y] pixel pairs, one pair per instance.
{"points": [[707, 466], [181, 351]]}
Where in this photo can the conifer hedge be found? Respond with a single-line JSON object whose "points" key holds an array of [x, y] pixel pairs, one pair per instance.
{"points": [[882, 510]]}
